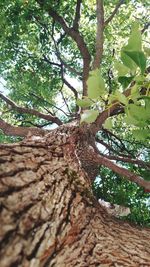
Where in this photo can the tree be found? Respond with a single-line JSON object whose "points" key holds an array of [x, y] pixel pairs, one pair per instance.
{"points": [[49, 215]]}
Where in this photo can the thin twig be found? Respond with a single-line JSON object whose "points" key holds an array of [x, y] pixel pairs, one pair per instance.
{"points": [[52, 105], [114, 12]]}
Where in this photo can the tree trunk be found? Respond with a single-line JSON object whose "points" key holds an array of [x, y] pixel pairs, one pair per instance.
{"points": [[49, 216]]}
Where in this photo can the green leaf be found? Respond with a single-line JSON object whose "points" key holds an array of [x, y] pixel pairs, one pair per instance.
{"points": [[139, 112], [141, 134], [125, 81], [139, 58], [84, 102], [129, 120], [134, 92], [132, 54], [89, 116], [95, 84], [128, 61], [108, 124], [120, 97], [121, 68], [135, 39]]}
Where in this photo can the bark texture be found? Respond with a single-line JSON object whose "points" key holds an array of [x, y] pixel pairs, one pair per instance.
{"points": [[49, 216]]}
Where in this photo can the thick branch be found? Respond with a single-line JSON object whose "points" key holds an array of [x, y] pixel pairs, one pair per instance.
{"points": [[99, 35], [72, 33], [8, 129], [114, 12], [121, 171], [30, 111], [97, 125]]}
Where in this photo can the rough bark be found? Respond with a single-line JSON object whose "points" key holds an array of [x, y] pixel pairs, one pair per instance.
{"points": [[49, 216]]}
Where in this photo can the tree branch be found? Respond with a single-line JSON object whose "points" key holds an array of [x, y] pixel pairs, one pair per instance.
{"points": [[110, 148], [78, 38], [72, 70], [129, 160], [122, 147], [50, 62], [99, 35], [30, 111], [52, 105], [64, 99], [77, 15], [114, 12], [71, 87], [8, 129], [121, 171], [97, 125]]}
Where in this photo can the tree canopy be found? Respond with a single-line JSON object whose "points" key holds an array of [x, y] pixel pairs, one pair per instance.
{"points": [[83, 61]]}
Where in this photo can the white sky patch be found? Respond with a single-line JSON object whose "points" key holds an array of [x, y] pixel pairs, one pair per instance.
{"points": [[3, 89], [102, 148]]}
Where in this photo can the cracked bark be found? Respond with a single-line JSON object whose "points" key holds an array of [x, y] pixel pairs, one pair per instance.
{"points": [[49, 216]]}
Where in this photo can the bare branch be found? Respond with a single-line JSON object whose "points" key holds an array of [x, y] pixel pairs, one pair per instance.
{"points": [[8, 129], [110, 148], [72, 33], [52, 105], [68, 84], [50, 62], [129, 160], [99, 35], [64, 99], [30, 111], [78, 38], [77, 15], [71, 69], [114, 12], [71, 87], [44, 26], [122, 145], [121, 171]]}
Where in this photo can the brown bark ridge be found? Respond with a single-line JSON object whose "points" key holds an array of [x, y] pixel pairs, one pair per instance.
{"points": [[49, 216]]}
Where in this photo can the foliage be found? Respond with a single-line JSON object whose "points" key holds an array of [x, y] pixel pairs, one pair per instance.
{"points": [[42, 66]]}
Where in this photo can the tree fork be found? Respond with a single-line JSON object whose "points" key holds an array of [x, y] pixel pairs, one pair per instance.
{"points": [[49, 216]]}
